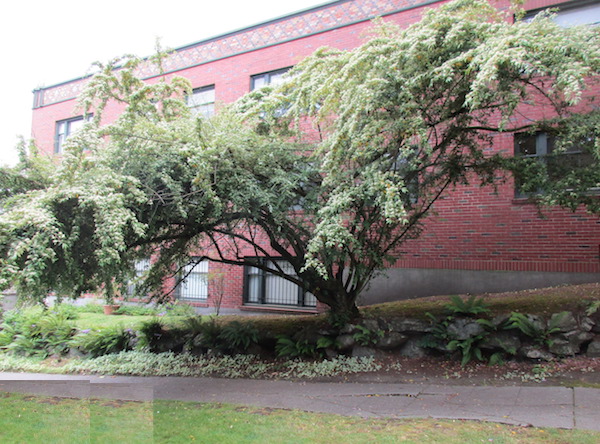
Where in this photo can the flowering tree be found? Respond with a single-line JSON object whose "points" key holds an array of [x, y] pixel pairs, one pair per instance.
{"points": [[332, 171]]}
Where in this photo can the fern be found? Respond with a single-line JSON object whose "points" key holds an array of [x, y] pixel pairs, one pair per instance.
{"points": [[469, 307]]}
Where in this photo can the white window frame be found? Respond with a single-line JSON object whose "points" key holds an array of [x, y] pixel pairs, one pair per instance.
{"points": [[202, 101], [67, 127], [269, 78], [573, 13]]}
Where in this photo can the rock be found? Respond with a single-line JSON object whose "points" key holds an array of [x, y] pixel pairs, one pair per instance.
{"points": [[587, 324], [348, 329], [371, 324], [345, 342], [532, 352], [504, 341], [562, 347], [462, 329], [407, 325], [391, 340], [412, 349], [501, 320], [331, 353], [564, 321], [363, 352], [593, 349]]}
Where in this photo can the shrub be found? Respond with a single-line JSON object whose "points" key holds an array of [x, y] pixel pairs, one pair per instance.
{"points": [[472, 306], [365, 337], [287, 347], [537, 331], [36, 332], [105, 341], [237, 336], [150, 333]]}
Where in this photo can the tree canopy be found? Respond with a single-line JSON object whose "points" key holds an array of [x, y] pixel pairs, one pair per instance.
{"points": [[332, 171]]}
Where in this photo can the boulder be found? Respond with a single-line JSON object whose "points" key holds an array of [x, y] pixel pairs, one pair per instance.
{"points": [[391, 341], [345, 342], [363, 352], [502, 340], [462, 329], [564, 321], [593, 349], [412, 349], [532, 352]]}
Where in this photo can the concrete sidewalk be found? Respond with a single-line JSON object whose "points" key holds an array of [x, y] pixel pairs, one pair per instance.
{"points": [[537, 406]]}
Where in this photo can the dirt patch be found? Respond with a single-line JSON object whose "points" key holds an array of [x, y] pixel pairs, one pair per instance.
{"points": [[569, 372]]}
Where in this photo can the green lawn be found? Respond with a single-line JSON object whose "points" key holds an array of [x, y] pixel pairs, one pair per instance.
{"points": [[100, 320], [29, 419]]}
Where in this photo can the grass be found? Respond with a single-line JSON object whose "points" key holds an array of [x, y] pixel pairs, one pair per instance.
{"points": [[543, 302], [99, 320], [56, 420]]}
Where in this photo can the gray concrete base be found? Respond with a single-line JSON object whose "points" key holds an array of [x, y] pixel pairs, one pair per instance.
{"points": [[409, 283]]}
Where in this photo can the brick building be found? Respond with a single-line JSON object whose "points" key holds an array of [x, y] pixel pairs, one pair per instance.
{"points": [[480, 240]]}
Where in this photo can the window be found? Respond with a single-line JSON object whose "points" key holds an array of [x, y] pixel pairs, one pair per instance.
{"points": [[65, 128], [261, 287], [272, 78], [559, 163], [202, 101], [574, 13], [193, 284], [141, 268]]}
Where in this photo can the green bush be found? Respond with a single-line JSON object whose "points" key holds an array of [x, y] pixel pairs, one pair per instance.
{"points": [[365, 337], [36, 332], [150, 334], [287, 347], [472, 306], [237, 336], [105, 341], [538, 332]]}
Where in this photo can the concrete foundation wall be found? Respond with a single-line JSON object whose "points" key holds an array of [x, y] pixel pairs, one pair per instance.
{"points": [[399, 284]]}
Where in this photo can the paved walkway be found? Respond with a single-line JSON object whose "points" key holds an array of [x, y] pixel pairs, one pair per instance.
{"points": [[537, 406]]}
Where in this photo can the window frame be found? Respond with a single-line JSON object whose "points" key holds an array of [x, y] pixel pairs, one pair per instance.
{"points": [[188, 270], [565, 8], [545, 151], [141, 267], [60, 137], [204, 109], [304, 298], [268, 75]]}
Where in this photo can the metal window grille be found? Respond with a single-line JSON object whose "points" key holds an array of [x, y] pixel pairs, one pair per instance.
{"points": [[265, 288], [194, 281], [141, 268]]}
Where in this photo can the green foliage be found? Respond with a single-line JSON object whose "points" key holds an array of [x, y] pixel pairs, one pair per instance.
{"points": [[134, 310], [106, 341], [150, 334], [593, 307], [365, 337], [287, 347], [468, 347], [472, 306], [238, 336], [536, 329], [327, 342], [471, 347], [36, 332]]}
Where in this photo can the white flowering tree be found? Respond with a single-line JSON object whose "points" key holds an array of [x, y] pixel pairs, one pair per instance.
{"points": [[332, 171]]}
